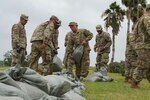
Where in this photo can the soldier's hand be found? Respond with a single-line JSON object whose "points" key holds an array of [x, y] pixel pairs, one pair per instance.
{"points": [[19, 49], [95, 50], [103, 49], [42, 46], [84, 42], [55, 51]]}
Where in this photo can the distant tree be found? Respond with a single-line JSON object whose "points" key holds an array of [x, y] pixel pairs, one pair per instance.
{"points": [[8, 59], [134, 10], [114, 15]]}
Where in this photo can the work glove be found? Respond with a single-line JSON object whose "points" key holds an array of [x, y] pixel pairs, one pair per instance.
{"points": [[55, 51], [19, 49]]}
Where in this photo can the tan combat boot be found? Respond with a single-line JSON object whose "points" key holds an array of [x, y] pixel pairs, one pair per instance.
{"points": [[134, 84]]}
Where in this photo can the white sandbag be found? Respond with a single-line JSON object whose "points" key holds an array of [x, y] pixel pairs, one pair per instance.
{"points": [[57, 86], [7, 90], [103, 71], [10, 98], [33, 78], [71, 95], [6, 79], [33, 92], [57, 64]]}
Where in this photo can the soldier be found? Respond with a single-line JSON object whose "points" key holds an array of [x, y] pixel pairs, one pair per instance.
{"points": [[142, 47], [79, 37], [42, 42], [65, 60], [131, 57], [102, 47], [19, 41]]}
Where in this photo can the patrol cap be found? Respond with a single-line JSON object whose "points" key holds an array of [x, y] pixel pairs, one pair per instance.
{"points": [[98, 27], [73, 23], [24, 16], [147, 7], [54, 18]]}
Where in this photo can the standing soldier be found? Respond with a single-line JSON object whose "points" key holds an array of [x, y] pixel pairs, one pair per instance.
{"points": [[102, 47], [65, 60], [131, 57], [42, 42], [142, 47], [19, 41], [79, 37]]}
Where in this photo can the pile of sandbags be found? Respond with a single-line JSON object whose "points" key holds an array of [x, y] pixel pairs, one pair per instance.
{"points": [[99, 76], [33, 86]]}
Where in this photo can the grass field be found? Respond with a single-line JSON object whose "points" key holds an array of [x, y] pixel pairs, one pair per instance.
{"points": [[116, 90]]}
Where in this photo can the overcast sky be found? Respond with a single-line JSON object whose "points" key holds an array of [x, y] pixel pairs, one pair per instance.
{"points": [[85, 12]]}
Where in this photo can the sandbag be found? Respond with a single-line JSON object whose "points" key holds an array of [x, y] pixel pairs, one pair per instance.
{"points": [[71, 95], [7, 90], [10, 98], [6, 79], [33, 92], [103, 71], [57, 86], [77, 54], [33, 78], [57, 64]]}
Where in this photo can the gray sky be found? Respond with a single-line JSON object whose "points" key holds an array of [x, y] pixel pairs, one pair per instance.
{"points": [[85, 12]]}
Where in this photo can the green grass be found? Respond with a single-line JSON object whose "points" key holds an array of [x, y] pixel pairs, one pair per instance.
{"points": [[116, 90]]}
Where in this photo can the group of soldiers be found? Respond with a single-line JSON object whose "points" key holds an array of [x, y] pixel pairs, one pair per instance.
{"points": [[138, 51], [45, 44]]}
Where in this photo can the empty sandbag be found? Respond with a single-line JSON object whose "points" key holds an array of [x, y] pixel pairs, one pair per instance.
{"points": [[57, 64], [77, 54]]}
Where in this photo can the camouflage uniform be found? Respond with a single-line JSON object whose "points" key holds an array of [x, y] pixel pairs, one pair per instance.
{"points": [[75, 40], [142, 47], [65, 60], [42, 34], [103, 41], [19, 41], [54, 41], [131, 57]]}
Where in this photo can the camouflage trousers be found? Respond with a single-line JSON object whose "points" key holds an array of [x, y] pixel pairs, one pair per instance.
{"points": [[44, 61], [143, 65], [16, 57], [82, 69], [36, 53], [66, 58], [102, 59], [130, 63]]}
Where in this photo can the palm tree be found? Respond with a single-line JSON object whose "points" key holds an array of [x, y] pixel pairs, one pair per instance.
{"points": [[114, 15], [134, 10]]}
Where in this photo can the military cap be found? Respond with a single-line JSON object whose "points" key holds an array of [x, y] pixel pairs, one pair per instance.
{"points": [[24, 16], [98, 27], [147, 7], [54, 18], [73, 23]]}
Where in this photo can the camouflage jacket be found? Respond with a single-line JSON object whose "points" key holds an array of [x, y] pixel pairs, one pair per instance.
{"points": [[130, 44], [46, 33], [39, 32], [77, 38], [18, 36], [103, 40], [142, 32], [67, 38]]}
